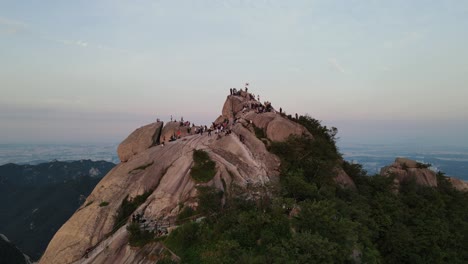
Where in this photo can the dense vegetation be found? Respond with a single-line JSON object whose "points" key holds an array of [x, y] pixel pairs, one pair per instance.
{"points": [[308, 219], [139, 237], [203, 169]]}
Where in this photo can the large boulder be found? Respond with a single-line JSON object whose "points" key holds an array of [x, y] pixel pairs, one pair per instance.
{"points": [[276, 127], [405, 169], [281, 128], [260, 120], [140, 140]]}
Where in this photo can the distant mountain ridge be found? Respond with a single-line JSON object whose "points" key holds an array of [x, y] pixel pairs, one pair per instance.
{"points": [[51, 172], [34, 154], [38, 199]]}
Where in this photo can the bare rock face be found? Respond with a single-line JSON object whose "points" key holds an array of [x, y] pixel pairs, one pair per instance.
{"points": [[164, 170], [140, 140]]}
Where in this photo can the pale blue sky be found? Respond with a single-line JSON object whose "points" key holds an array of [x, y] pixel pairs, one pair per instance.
{"points": [[92, 71]]}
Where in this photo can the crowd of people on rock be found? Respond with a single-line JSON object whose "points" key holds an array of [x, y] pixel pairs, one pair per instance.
{"points": [[224, 126], [257, 105]]}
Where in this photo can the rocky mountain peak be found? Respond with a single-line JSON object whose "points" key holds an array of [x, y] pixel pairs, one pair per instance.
{"points": [[156, 161], [156, 178]]}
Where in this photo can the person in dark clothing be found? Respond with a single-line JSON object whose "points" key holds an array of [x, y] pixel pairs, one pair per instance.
{"points": [[230, 90], [281, 110], [297, 117]]}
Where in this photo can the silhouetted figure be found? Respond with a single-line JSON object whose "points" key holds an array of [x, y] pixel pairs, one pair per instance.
{"points": [[281, 110], [230, 90], [297, 117]]}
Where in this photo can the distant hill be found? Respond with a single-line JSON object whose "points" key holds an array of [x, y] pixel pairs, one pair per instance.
{"points": [[38, 199], [452, 160]]}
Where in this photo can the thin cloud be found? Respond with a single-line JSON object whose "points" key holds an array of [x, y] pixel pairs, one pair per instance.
{"points": [[9, 26], [336, 65], [79, 43]]}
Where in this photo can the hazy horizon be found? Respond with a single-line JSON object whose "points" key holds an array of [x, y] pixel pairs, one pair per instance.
{"points": [[93, 71]]}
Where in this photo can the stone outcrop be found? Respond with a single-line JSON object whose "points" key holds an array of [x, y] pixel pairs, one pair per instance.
{"points": [[241, 159], [276, 126], [140, 140], [166, 171], [279, 129], [404, 169]]}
